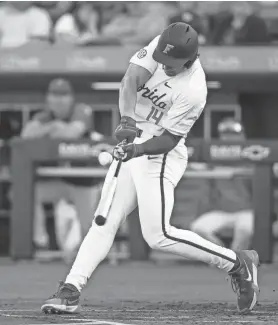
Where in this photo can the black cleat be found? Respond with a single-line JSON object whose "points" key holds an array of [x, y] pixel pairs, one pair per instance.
{"points": [[245, 281], [64, 301]]}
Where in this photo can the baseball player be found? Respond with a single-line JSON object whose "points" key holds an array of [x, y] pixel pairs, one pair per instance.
{"points": [[62, 118], [231, 206], [162, 94]]}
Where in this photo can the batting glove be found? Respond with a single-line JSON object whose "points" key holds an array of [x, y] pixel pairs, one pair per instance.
{"points": [[126, 130], [127, 151]]}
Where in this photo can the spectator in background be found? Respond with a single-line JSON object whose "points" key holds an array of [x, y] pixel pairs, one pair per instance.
{"points": [[78, 27], [188, 13], [56, 9], [108, 10], [259, 110], [20, 23], [230, 202], [65, 119], [220, 24], [269, 12], [141, 23], [248, 27], [239, 24]]}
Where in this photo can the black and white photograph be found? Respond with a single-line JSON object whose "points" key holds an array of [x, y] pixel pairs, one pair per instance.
{"points": [[138, 162]]}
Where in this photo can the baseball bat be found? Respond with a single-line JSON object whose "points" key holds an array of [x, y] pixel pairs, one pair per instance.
{"points": [[107, 198]]}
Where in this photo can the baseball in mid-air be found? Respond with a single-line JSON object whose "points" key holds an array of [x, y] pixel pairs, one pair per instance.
{"points": [[105, 158]]}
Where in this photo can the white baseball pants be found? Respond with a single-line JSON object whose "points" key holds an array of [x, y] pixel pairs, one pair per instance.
{"points": [[150, 183]]}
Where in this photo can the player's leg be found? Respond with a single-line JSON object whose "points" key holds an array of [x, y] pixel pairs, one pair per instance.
{"points": [[67, 229], [155, 200], [86, 200], [210, 224], [45, 192], [243, 230], [95, 245]]}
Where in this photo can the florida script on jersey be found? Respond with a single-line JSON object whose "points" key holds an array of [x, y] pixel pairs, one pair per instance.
{"points": [[171, 103]]}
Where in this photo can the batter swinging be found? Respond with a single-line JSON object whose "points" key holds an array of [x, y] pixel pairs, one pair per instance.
{"points": [[162, 94]]}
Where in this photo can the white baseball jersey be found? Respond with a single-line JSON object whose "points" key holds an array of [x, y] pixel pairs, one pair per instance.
{"points": [[163, 103], [171, 103]]}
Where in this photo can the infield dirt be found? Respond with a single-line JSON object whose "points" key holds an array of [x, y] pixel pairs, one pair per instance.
{"points": [[134, 293]]}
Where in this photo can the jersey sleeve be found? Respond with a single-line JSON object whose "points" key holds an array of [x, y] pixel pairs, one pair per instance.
{"points": [[65, 24], [43, 117], [41, 23], [183, 114], [144, 57]]}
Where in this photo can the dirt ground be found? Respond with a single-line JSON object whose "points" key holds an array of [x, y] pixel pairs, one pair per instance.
{"points": [[134, 293]]}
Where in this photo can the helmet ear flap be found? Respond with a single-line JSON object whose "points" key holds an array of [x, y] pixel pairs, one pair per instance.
{"points": [[189, 63]]}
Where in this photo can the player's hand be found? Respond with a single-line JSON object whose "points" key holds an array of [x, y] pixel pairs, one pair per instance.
{"points": [[126, 130], [127, 151], [57, 129], [118, 152], [57, 126]]}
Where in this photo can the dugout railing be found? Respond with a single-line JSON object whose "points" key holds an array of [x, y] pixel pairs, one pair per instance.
{"points": [[95, 73], [27, 155]]}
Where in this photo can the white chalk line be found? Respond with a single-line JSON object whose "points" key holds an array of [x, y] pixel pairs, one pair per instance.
{"points": [[202, 322], [127, 310], [81, 321], [238, 321], [133, 311], [94, 322], [17, 310], [144, 319]]}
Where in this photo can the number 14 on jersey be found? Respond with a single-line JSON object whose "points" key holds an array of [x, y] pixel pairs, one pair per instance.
{"points": [[155, 115]]}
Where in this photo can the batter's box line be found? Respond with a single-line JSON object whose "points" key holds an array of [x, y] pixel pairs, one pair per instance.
{"points": [[106, 322], [83, 321], [94, 322], [133, 311], [173, 310], [239, 321]]}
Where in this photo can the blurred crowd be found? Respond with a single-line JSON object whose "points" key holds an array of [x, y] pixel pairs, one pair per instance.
{"points": [[89, 23], [122, 23]]}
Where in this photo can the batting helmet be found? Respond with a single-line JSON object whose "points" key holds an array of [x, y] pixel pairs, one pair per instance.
{"points": [[177, 46]]}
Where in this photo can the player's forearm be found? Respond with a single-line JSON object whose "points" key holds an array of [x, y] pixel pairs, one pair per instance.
{"points": [[69, 131], [159, 145], [134, 77], [35, 130], [127, 97]]}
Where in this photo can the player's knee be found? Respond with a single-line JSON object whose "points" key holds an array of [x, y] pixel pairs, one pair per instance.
{"points": [[154, 240], [195, 227], [245, 231], [201, 230], [243, 236]]}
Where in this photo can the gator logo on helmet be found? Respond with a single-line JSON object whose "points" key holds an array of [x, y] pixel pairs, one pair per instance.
{"points": [[142, 53], [168, 48]]}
